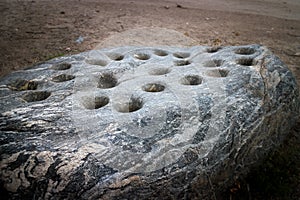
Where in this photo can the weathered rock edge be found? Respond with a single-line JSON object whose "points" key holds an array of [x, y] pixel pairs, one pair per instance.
{"points": [[47, 154]]}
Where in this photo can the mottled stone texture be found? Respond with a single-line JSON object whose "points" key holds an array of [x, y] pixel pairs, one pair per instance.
{"points": [[142, 123]]}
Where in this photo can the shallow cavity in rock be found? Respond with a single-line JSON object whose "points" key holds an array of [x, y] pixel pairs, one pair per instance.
{"points": [[115, 56], [191, 80], [62, 78], [142, 56], [62, 66], [36, 96], [95, 103], [245, 61], [153, 87], [213, 63], [22, 84], [133, 104], [217, 73], [160, 52], [181, 62], [245, 51], [181, 55], [107, 80]]}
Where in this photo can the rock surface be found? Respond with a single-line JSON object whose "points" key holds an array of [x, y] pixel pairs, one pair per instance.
{"points": [[142, 122]]}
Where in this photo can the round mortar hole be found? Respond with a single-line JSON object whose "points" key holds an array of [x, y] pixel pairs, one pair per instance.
{"points": [[63, 78], [36, 96], [245, 51], [99, 62], [181, 55], [181, 62], [96, 103], [245, 61], [107, 80], [142, 56], [213, 49], [62, 66], [21, 84], [115, 56], [159, 52], [132, 105], [218, 73], [159, 71], [213, 63], [191, 80], [153, 87]]}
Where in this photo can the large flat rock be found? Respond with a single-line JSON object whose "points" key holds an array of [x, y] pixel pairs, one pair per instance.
{"points": [[142, 122]]}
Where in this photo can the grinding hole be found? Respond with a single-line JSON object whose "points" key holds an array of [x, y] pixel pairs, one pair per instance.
{"points": [[36, 96], [159, 52], [115, 56], [142, 56], [181, 55], [153, 87], [159, 71], [21, 84], [218, 73], [62, 78], [245, 61], [132, 105], [96, 62], [107, 80], [181, 62], [213, 63], [191, 80], [245, 51], [96, 103], [61, 66], [213, 49]]}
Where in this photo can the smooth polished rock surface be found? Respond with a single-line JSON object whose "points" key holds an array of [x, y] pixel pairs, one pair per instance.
{"points": [[142, 122]]}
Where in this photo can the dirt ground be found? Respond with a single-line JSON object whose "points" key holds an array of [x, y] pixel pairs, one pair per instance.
{"points": [[38, 30]]}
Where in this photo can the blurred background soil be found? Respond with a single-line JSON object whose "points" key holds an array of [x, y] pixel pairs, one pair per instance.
{"points": [[35, 31]]}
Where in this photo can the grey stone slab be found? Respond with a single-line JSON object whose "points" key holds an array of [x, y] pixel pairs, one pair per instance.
{"points": [[142, 122]]}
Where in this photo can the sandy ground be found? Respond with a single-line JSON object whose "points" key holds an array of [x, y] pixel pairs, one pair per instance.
{"points": [[34, 31], [38, 30]]}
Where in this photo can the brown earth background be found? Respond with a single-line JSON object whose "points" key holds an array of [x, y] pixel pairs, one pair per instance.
{"points": [[35, 31]]}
